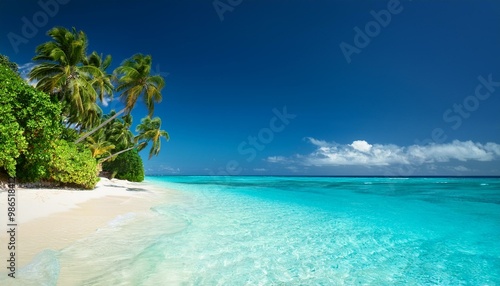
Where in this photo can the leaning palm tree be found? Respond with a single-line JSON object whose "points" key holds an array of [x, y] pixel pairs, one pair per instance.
{"points": [[119, 132], [99, 146], [92, 116], [134, 81], [65, 72], [149, 130]]}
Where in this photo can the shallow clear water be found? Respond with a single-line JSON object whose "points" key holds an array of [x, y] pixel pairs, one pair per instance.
{"points": [[296, 231]]}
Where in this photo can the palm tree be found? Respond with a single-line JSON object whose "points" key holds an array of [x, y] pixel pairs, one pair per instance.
{"points": [[66, 73], [99, 146], [138, 146], [92, 116], [149, 130], [119, 132], [134, 81], [102, 81]]}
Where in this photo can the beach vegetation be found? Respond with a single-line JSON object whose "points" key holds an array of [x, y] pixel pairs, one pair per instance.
{"points": [[135, 81], [126, 166], [56, 131], [5, 61], [31, 147], [118, 132], [98, 145], [72, 165], [29, 120], [12, 141], [65, 72], [150, 131], [121, 165]]}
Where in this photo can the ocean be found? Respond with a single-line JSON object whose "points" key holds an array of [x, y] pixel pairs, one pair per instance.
{"points": [[294, 231]]}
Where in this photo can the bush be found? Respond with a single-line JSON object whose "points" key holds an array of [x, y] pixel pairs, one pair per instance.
{"points": [[30, 128], [72, 165], [126, 166], [4, 60], [12, 141], [29, 120], [69, 134]]}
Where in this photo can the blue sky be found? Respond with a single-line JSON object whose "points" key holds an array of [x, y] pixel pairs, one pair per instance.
{"points": [[369, 87]]}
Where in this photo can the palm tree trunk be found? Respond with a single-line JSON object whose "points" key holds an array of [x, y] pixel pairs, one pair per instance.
{"points": [[117, 153], [100, 126]]}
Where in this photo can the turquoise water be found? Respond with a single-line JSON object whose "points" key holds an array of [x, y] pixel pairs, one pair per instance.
{"points": [[296, 231]]}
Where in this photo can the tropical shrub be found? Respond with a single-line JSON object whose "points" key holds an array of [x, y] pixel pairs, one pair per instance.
{"points": [[30, 128], [69, 134], [4, 60], [12, 141], [126, 166], [72, 165], [29, 120]]}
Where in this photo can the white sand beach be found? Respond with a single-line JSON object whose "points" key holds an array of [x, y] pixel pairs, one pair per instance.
{"points": [[55, 218]]}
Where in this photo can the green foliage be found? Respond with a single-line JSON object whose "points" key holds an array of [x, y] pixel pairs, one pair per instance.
{"points": [[4, 60], [66, 72], [150, 130], [126, 166], [12, 141], [28, 123], [119, 134], [33, 141], [30, 126], [135, 79], [98, 145], [72, 165], [69, 134]]}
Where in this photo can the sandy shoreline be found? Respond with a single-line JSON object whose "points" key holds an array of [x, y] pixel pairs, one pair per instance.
{"points": [[54, 219]]}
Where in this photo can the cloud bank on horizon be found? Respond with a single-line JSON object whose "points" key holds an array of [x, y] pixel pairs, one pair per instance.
{"points": [[362, 153]]}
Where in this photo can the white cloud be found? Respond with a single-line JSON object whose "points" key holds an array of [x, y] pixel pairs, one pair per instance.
{"points": [[259, 170], [169, 170], [458, 150], [361, 145], [25, 69], [320, 143], [276, 159], [106, 101], [361, 153], [461, 168]]}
